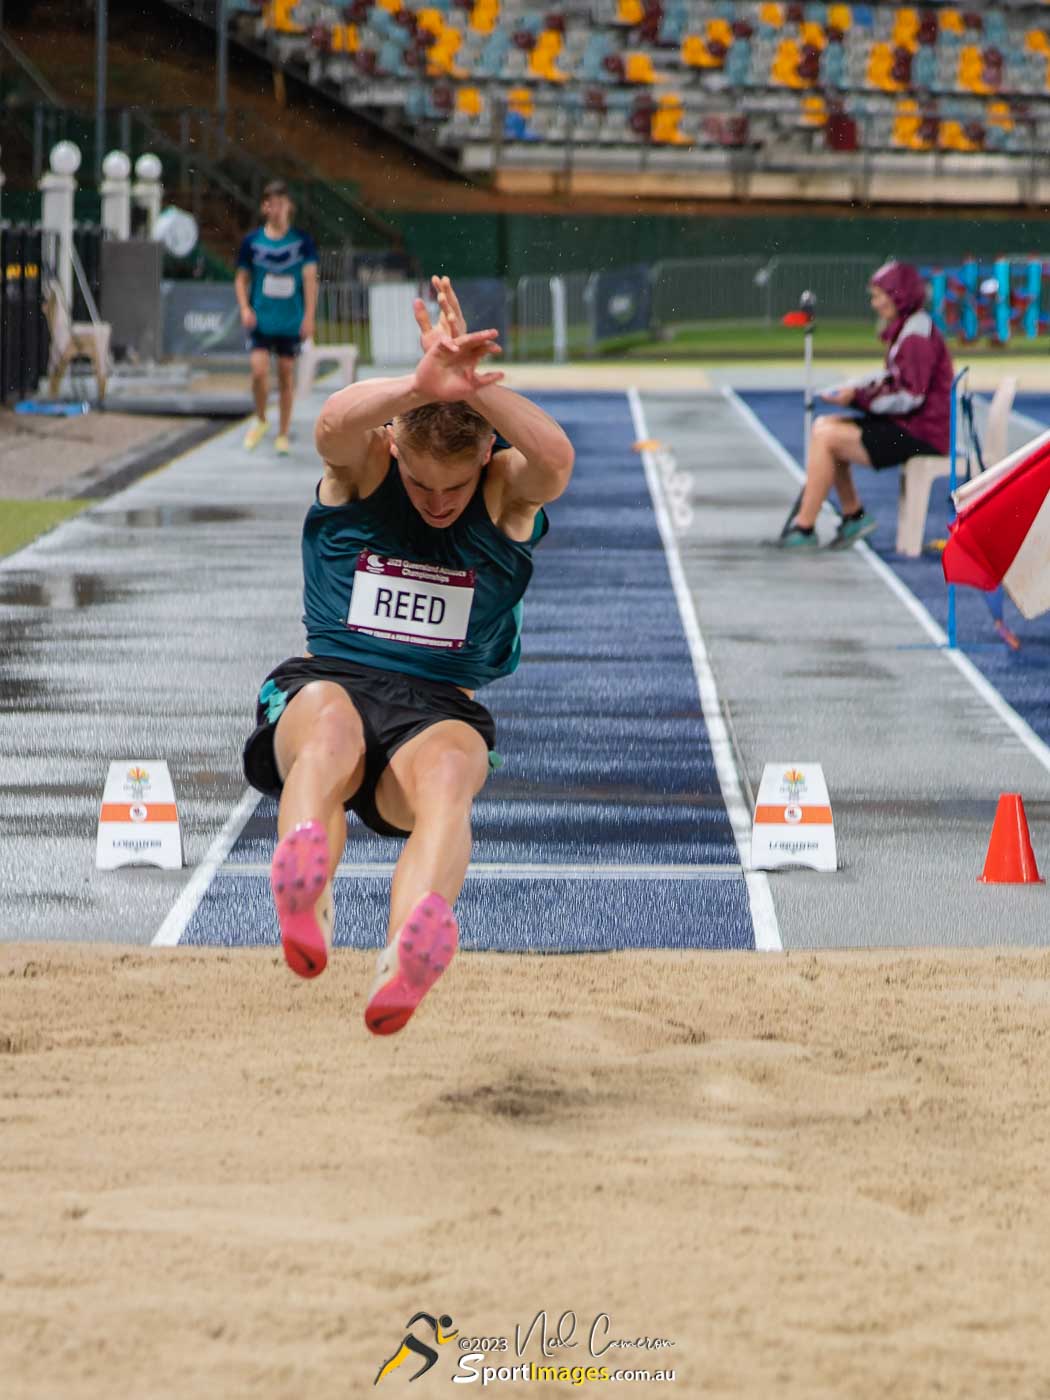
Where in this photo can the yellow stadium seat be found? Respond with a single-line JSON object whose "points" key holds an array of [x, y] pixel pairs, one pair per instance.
{"points": [[721, 31], [772, 14], [1036, 41], [971, 70], [1000, 116], [278, 17], [430, 21], [483, 17], [880, 69], [391, 6], [907, 123], [345, 38], [906, 28], [694, 53], [813, 35], [543, 60], [638, 68], [666, 121], [840, 17], [784, 72], [520, 100], [629, 11], [469, 101], [814, 110], [441, 56], [952, 22]]}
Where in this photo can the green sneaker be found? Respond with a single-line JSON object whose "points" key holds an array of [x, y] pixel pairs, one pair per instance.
{"points": [[850, 531], [797, 539]]}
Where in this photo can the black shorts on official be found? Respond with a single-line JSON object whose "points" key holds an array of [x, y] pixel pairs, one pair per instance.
{"points": [[393, 709], [285, 347], [888, 444]]}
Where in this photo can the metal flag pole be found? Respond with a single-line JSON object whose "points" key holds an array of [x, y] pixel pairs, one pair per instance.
{"points": [[953, 440], [806, 317]]}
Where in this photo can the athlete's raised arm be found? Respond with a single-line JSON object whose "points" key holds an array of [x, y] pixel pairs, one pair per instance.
{"points": [[538, 466], [350, 431]]}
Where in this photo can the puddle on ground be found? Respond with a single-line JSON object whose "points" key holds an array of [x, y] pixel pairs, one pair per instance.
{"points": [[162, 517], [35, 589]]}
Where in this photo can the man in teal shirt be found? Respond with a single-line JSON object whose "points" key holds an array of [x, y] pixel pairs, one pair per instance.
{"points": [[276, 285]]}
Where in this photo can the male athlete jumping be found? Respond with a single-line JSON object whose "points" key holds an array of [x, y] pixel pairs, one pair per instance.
{"points": [[416, 554]]}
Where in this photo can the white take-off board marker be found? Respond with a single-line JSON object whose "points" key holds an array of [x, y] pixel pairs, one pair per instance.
{"points": [[793, 822], [139, 822]]}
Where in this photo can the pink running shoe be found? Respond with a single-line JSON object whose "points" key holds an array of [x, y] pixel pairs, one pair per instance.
{"points": [[410, 964], [298, 875]]}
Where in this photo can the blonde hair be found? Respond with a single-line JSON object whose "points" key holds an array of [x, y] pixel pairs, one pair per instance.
{"points": [[442, 430]]}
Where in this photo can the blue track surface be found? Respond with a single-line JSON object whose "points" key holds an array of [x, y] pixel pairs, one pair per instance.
{"points": [[1022, 678], [607, 757]]}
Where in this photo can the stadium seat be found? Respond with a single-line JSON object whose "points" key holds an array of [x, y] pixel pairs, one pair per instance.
{"points": [[666, 122], [951, 22], [638, 68], [278, 17], [840, 17]]}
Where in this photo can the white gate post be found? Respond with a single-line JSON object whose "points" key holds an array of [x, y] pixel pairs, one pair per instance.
{"points": [[57, 189], [116, 195]]}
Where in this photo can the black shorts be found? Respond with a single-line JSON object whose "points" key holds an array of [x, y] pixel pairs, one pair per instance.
{"points": [[888, 444], [285, 347], [393, 709]]}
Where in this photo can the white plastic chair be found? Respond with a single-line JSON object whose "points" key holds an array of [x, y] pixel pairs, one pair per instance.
{"points": [[919, 473], [312, 356]]}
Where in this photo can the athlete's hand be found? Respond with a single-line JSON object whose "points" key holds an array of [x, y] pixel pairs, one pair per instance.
{"points": [[248, 318], [450, 369], [306, 330], [451, 321]]}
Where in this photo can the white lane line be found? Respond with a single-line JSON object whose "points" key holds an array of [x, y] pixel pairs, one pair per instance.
{"points": [[184, 908], [484, 870], [962, 663], [763, 913]]}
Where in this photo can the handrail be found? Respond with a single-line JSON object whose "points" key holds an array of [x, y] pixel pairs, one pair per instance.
{"points": [[31, 71]]}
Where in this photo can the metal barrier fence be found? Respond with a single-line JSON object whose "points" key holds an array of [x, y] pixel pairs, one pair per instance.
{"points": [[27, 261]]}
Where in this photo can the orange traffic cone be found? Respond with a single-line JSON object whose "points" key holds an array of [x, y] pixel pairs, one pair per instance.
{"points": [[1010, 859]]}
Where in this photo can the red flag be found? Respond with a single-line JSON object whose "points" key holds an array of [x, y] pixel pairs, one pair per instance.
{"points": [[1002, 533]]}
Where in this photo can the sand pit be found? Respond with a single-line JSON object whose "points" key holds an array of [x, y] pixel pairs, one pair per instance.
{"points": [[816, 1175]]}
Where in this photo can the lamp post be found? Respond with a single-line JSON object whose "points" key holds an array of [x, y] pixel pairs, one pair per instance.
{"points": [[101, 40], [221, 62]]}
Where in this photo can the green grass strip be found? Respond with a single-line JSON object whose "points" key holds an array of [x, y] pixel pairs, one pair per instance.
{"points": [[21, 522]]}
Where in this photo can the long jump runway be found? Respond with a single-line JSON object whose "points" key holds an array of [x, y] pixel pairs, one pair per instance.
{"points": [[144, 627], [606, 827]]}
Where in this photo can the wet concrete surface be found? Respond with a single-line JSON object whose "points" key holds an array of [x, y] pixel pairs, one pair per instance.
{"points": [[817, 660], [126, 633]]}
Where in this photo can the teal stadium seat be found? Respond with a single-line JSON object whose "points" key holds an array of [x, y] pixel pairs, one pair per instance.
{"points": [[924, 69]]}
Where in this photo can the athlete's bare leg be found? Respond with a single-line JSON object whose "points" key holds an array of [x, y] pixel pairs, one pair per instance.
{"points": [[428, 788], [286, 391], [836, 442], [260, 363], [319, 746]]}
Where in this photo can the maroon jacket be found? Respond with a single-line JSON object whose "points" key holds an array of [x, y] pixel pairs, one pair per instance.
{"points": [[914, 390]]}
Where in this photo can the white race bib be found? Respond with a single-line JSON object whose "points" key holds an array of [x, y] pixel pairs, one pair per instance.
{"points": [[420, 603], [278, 287]]}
